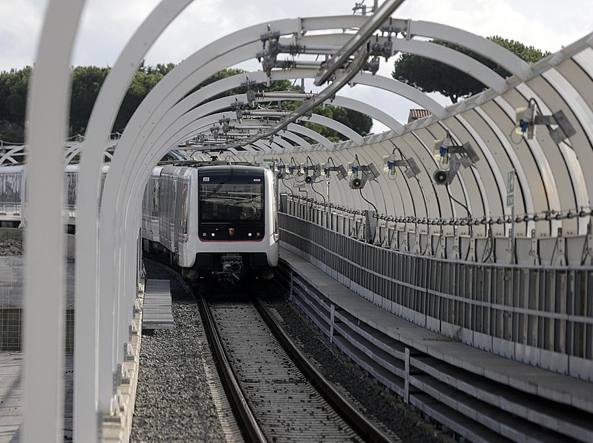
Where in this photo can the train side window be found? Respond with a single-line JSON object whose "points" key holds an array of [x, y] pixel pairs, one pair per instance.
{"points": [[184, 205], [154, 182], [275, 213]]}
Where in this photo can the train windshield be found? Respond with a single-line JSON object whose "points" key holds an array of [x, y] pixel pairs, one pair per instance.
{"points": [[237, 198]]}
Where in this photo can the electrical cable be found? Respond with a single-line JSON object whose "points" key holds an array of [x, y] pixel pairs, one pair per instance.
{"points": [[374, 207], [318, 193], [469, 215], [366, 200], [286, 186]]}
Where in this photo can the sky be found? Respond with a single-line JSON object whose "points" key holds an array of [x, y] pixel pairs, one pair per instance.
{"points": [[108, 24]]}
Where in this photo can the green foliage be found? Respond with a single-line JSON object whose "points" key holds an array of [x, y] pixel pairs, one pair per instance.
{"points": [[528, 53], [144, 80], [13, 99], [360, 123], [355, 120], [87, 82], [432, 76]]}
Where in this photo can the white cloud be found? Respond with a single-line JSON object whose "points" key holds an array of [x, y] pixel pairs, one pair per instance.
{"points": [[542, 23], [108, 24], [20, 22]]}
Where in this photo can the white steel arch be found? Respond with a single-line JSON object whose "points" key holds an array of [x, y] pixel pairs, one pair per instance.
{"points": [[115, 203]]}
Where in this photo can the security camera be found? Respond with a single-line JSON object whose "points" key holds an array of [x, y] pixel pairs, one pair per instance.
{"points": [[525, 120], [391, 165], [371, 171], [295, 169], [445, 176], [449, 156], [413, 169], [358, 182], [360, 174], [442, 177], [280, 172], [311, 172], [342, 173], [558, 125]]}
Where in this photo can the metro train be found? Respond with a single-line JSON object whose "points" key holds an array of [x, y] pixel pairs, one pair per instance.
{"points": [[209, 218], [213, 219]]}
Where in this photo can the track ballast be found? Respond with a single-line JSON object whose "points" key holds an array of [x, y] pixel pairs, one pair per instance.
{"points": [[283, 402]]}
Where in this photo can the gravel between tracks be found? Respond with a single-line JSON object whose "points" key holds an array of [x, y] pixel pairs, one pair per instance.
{"points": [[11, 247], [367, 393], [173, 400]]}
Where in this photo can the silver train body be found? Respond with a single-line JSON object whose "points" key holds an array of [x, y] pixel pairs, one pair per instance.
{"points": [[12, 194], [216, 220]]}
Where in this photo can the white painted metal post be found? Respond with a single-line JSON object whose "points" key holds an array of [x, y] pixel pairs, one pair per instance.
{"points": [[44, 294], [332, 318], [407, 375], [87, 389], [291, 287]]}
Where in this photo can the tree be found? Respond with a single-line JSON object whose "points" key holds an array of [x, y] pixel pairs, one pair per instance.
{"points": [[87, 82], [358, 122], [432, 76], [142, 83], [13, 100]]}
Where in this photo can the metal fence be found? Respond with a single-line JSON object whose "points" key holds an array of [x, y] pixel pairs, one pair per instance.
{"points": [[541, 315], [11, 304], [478, 406]]}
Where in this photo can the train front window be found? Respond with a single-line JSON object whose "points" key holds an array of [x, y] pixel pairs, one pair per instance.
{"points": [[231, 201]]}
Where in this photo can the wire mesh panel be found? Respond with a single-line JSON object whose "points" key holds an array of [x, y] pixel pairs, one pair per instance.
{"points": [[540, 315]]}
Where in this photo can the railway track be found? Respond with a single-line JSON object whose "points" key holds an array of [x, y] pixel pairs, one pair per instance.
{"points": [[276, 394]]}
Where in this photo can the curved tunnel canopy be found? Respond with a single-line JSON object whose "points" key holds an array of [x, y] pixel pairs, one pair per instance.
{"points": [[532, 168], [552, 191], [481, 188]]}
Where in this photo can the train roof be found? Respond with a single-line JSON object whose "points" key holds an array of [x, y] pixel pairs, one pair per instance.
{"points": [[232, 169]]}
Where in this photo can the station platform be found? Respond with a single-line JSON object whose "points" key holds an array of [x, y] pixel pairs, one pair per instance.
{"points": [[442, 367]]}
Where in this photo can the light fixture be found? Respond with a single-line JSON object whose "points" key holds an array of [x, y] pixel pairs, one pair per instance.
{"points": [[361, 174], [330, 166], [311, 172], [527, 118], [450, 156], [392, 164]]}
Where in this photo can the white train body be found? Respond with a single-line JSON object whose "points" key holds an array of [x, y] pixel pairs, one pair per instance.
{"points": [[215, 219], [212, 219]]}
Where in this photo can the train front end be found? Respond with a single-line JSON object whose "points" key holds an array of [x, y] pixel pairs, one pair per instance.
{"points": [[237, 223]]}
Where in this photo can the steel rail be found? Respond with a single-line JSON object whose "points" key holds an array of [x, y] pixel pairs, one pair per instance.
{"points": [[341, 405], [249, 425]]}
